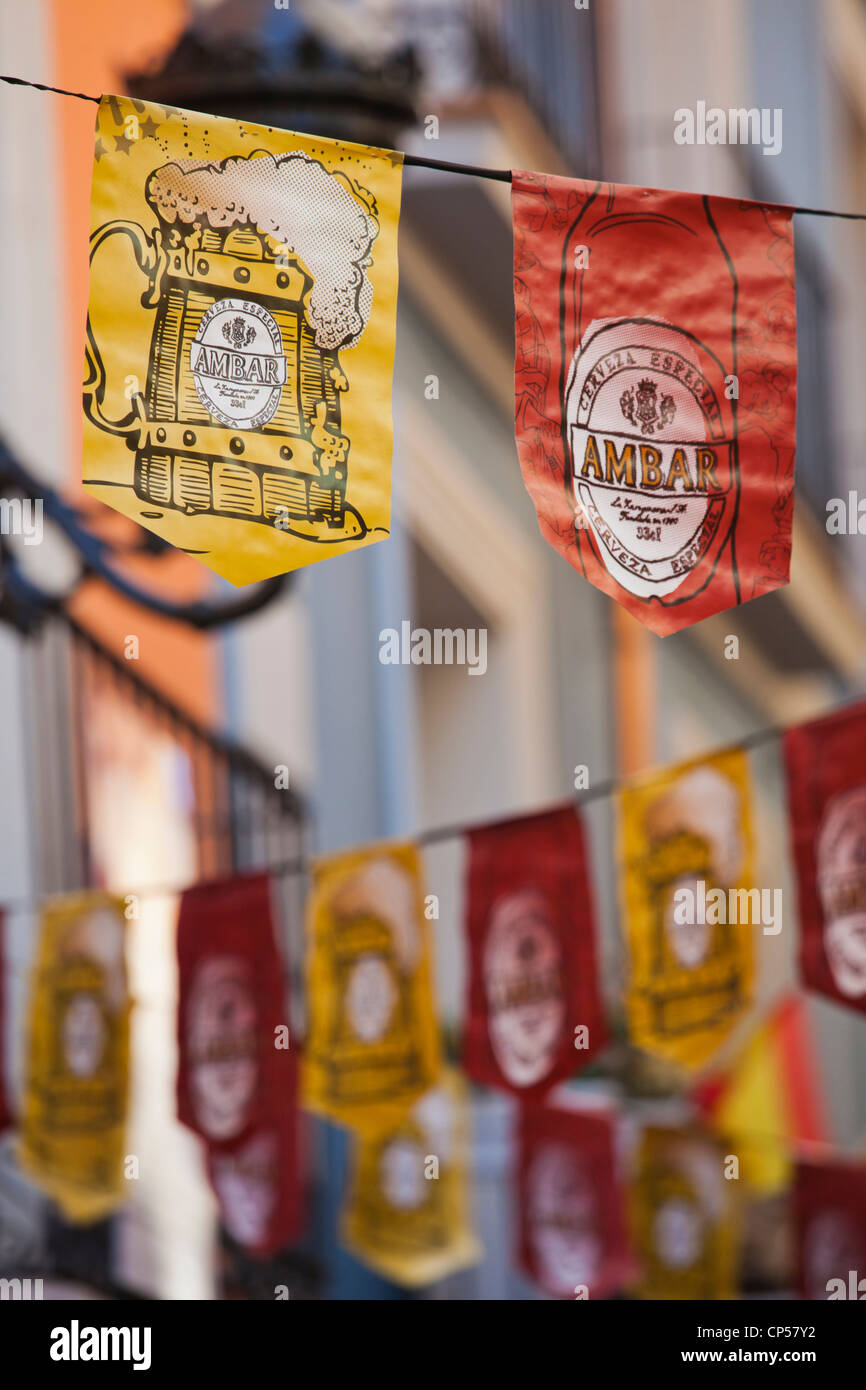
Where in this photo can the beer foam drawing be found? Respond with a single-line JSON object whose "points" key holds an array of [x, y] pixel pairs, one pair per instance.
{"points": [[655, 390], [219, 410], [296, 202]]}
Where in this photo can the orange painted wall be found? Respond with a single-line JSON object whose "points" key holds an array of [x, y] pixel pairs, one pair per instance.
{"points": [[94, 43]]}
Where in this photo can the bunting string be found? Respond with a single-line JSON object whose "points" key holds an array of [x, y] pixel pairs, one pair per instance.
{"points": [[418, 161], [300, 864], [376, 1050]]}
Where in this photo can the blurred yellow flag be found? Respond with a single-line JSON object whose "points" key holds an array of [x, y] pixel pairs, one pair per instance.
{"points": [[686, 848], [768, 1099], [408, 1212], [240, 336], [684, 1217], [74, 1115], [372, 1039]]}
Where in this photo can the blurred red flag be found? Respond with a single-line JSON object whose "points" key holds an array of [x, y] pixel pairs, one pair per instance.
{"points": [[655, 390], [829, 1202], [573, 1240], [256, 1183], [826, 766], [534, 1012], [237, 1075]]}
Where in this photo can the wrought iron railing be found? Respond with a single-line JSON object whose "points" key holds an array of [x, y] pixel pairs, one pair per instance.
{"points": [[239, 821]]}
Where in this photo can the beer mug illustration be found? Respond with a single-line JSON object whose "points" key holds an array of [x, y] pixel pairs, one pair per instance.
{"points": [[685, 1218], [698, 968], [256, 272], [408, 1214], [375, 1013], [397, 1204]]}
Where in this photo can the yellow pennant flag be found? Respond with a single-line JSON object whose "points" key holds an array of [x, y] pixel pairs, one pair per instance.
{"points": [[687, 855], [767, 1100], [372, 1039], [408, 1212], [74, 1116], [685, 1217], [240, 336]]}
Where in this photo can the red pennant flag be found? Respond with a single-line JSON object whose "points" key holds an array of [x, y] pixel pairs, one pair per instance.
{"points": [[237, 1076], [255, 1183], [5, 1116], [655, 390], [573, 1240], [830, 1219], [534, 1013], [826, 765]]}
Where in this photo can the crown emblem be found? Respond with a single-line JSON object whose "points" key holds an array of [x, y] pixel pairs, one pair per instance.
{"points": [[642, 410], [239, 333]]}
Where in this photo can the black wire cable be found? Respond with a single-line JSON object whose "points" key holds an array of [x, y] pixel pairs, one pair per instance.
{"points": [[42, 87], [301, 864], [419, 161]]}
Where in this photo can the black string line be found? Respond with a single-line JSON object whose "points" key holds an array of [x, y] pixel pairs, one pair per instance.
{"points": [[43, 87], [438, 834], [301, 864], [446, 166]]}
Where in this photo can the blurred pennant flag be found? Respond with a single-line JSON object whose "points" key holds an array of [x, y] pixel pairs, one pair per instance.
{"points": [[573, 1237], [685, 846], [655, 390], [77, 1073], [826, 767], [237, 1075], [231, 1010], [534, 1012], [5, 1116], [240, 336], [829, 1202], [372, 1039], [256, 1182], [769, 1098], [408, 1212], [685, 1217]]}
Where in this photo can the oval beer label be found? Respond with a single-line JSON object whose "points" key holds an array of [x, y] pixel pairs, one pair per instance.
{"points": [[238, 364], [652, 472]]}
